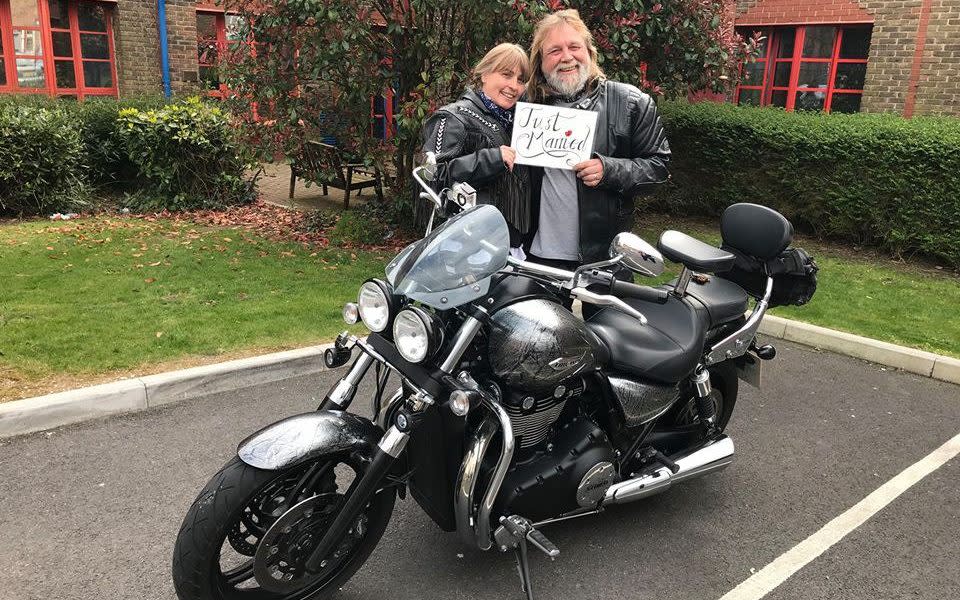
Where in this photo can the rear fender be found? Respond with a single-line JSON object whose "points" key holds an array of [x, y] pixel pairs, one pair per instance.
{"points": [[301, 438]]}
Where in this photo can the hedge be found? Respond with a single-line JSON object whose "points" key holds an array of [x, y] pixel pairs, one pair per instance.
{"points": [[866, 178], [41, 159], [176, 156]]}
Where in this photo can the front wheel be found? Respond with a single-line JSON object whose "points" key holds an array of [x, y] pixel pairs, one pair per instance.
{"points": [[250, 531]]}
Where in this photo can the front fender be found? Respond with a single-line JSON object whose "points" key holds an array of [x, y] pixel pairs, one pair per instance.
{"points": [[303, 437]]}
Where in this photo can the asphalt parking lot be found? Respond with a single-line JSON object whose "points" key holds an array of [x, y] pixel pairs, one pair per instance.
{"points": [[92, 510]]}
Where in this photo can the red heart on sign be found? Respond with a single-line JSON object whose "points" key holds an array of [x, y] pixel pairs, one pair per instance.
{"points": [[568, 133]]}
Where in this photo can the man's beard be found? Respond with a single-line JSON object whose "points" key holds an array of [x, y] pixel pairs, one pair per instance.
{"points": [[568, 87]]}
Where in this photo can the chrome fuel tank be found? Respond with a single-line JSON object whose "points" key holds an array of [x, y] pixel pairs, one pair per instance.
{"points": [[536, 344]]}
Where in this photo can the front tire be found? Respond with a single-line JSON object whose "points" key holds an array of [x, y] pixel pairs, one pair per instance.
{"points": [[234, 512]]}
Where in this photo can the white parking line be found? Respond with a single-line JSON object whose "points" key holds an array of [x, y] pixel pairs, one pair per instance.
{"points": [[768, 578]]}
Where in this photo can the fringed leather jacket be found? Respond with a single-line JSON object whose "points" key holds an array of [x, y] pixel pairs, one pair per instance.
{"points": [[466, 138]]}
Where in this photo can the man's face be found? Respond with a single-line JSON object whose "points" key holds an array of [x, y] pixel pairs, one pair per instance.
{"points": [[566, 60]]}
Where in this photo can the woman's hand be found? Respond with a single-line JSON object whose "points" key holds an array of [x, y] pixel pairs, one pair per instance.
{"points": [[509, 155]]}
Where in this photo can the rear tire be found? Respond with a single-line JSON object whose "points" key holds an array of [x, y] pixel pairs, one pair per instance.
{"points": [[238, 506]]}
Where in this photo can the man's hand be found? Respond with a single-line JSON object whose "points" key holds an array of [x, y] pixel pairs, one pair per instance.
{"points": [[590, 171], [509, 155]]}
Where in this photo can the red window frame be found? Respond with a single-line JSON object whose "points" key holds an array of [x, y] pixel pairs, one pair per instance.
{"points": [[79, 90], [776, 38], [220, 43]]}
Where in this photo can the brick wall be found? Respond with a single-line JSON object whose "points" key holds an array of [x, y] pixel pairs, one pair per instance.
{"points": [[137, 42], [137, 37], [892, 47]]}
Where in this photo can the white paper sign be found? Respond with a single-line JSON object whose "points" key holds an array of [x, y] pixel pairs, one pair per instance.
{"points": [[552, 136]]}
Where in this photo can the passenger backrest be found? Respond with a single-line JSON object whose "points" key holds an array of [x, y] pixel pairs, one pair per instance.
{"points": [[755, 230]]}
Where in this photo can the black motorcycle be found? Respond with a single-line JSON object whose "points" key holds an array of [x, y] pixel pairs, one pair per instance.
{"points": [[511, 413]]}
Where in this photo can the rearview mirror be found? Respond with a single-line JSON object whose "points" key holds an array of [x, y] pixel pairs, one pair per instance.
{"points": [[638, 256]]}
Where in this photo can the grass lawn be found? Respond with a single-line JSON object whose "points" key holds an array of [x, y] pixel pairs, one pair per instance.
{"points": [[862, 292], [95, 299], [85, 299]]}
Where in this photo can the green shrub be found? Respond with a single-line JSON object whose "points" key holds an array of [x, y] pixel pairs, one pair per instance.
{"points": [[868, 178], [358, 226], [41, 159], [106, 153], [186, 155]]}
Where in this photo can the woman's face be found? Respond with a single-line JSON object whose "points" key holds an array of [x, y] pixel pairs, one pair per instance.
{"points": [[503, 87]]}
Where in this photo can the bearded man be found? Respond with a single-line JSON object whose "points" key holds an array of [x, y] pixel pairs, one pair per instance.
{"points": [[580, 211]]}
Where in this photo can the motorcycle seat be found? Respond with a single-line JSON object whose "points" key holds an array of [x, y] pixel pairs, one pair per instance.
{"points": [[667, 349], [722, 300]]}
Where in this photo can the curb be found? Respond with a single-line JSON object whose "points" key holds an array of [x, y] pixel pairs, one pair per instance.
{"points": [[54, 410], [920, 362], [63, 408]]}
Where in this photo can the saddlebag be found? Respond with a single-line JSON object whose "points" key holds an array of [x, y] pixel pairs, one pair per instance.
{"points": [[794, 275]]}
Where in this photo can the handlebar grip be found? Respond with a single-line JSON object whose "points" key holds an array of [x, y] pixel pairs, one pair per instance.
{"points": [[625, 289]]}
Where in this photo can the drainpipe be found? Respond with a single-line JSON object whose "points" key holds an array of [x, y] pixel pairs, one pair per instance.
{"points": [[920, 43], [164, 46]]}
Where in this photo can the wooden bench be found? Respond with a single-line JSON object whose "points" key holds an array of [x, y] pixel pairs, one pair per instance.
{"points": [[324, 165]]}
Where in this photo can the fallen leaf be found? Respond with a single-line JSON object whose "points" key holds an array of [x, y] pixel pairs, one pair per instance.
{"points": [[159, 334], [150, 279]]}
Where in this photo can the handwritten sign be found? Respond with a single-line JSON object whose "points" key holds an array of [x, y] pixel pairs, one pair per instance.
{"points": [[552, 136]]}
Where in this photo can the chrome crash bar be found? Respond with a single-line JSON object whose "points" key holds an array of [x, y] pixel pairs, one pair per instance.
{"points": [[737, 343]]}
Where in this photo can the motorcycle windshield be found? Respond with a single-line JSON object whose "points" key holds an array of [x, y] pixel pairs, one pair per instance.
{"points": [[453, 265]]}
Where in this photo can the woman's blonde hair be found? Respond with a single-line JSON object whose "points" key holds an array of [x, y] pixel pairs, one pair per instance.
{"points": [[537, 88], [502, 57]]}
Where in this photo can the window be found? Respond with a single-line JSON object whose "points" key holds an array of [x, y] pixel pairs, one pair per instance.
{"points": [[217, 34], [820, 67], [57, 47]]}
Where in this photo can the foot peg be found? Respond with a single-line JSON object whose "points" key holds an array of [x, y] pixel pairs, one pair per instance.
{"points": [[514, 533], [651, 454]]}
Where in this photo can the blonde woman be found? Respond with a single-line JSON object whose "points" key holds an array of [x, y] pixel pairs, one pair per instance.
{"points": [[471, 137]]}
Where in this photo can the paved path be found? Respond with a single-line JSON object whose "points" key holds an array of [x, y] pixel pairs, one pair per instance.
{"points": [[91, 511], [274, 186]]}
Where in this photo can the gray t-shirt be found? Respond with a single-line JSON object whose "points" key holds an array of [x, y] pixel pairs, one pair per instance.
{"points": [[558, 231]]}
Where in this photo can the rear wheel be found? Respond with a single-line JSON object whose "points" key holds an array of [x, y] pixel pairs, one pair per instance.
{"points": [[250, 531]]}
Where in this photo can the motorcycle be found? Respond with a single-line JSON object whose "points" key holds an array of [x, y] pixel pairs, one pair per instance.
{"points": [[512, 413]]}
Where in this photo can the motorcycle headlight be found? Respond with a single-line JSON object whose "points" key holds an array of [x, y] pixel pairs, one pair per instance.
{"points": [[417, 334], [373, 303]]}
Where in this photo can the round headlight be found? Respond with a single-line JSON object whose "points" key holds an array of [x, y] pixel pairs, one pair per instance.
{"points": [[412, 335], [374, 306]]}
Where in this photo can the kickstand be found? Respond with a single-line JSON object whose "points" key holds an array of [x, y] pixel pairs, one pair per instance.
{"points": [[524, 567], [514, 532]]}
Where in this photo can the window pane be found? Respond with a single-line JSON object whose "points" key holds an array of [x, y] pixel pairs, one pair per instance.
{"points": [[3, 73], [781, 74], [850, 76], [845, 103], [61, 44], [379, 131], [25, 13], [27, 42], [813, 74], [786, 37], [30, 73], [206, 26], [66, 78], [59, 17], [97, 74], [207, 52], [753, 73], [810, 100], [818, 42], [856, 42], [749, 98], [93, 45], [236, 28], [92, 17], [209, 79], [779, 99]]}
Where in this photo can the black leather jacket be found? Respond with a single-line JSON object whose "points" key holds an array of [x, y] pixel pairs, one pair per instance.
{"points": [[631, 143], [467, 139]]}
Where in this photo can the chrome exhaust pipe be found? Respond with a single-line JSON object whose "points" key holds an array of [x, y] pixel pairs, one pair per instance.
{"points": [[714, 456]]}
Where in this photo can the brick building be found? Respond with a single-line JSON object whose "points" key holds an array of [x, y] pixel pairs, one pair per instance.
{"points": [[82, 48], [900, 56]]}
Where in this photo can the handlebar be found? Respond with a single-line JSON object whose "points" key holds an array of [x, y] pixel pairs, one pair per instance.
{"points": [[625, 289]]}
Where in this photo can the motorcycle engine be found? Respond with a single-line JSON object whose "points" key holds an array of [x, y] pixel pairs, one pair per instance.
{"points": [[572, 471]]}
